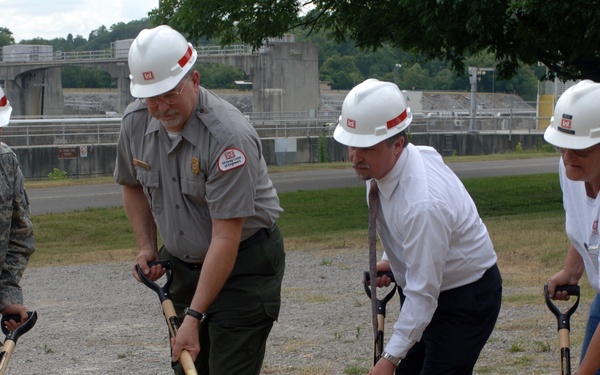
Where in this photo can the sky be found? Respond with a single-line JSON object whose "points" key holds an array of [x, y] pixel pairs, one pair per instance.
{"points": [[49, 19]]}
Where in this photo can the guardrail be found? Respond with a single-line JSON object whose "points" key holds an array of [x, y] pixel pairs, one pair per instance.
{"points": [[63, 131], [105, 130], [107, 54]]}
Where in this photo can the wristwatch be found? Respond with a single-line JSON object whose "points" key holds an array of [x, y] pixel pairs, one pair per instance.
{"points": [[395, 360], [193, 313]]}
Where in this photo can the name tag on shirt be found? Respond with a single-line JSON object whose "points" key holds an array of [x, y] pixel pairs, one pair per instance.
{"points": [[141, 164]]}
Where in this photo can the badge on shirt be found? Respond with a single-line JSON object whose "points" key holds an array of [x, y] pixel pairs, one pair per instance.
{"points": [[141, 164], [230, 159], [195, 166]]}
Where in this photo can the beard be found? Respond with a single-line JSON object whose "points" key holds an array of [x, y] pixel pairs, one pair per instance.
{"points": [[171, 119], [362, 171]]}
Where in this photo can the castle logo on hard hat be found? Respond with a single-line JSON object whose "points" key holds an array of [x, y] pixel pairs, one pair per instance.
{"points": [[351, 123], [566, 121], [3, 101], [148, 76], [565, 124]]}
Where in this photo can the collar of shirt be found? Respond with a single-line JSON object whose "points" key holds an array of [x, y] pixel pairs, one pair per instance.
{"points": [[190, 132], [390, 182]]}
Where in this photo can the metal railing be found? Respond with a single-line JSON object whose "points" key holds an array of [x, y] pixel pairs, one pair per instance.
{"points": [[107, 54], [105, 130], [61, 131]]}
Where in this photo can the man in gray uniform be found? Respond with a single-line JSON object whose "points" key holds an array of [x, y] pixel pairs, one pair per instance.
{"points": [[191, 166], [16, 229]]}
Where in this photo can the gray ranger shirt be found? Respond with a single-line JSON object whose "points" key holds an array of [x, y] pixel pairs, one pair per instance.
{"points": [[214, 170]]}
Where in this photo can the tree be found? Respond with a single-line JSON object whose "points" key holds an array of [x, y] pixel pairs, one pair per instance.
{"points": [[564, 36], [6, 37], [341, 72]]}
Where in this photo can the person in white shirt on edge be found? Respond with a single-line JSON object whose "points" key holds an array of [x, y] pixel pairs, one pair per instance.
{"points": [[575, 130], [436, 245]]}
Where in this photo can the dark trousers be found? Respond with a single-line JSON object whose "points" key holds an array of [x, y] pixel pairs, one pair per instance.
{"points": [[234, 335], [459, 329]]}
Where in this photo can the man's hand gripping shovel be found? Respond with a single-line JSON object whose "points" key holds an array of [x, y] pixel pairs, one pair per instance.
{"points": [[10, 341], [168, 309], [381, 304], [564, 325]]}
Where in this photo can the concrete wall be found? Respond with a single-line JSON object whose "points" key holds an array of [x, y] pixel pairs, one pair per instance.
{"points": [[36, 92], [99, 160]]}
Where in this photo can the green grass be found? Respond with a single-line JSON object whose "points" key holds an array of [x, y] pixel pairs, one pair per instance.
{"points": [[513, 195], [335, 218]]}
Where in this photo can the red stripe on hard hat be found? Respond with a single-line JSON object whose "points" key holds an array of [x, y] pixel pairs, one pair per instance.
{"points": [[3, 101], [395, 121], [184, 60]]}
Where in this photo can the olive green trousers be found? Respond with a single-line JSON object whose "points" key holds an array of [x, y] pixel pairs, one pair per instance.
{"points": [[234, 334]]}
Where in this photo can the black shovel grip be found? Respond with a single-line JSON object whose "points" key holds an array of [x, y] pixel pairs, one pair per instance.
{"points": [[20, 330], [163, 292], [367, 282], [563, 318]]}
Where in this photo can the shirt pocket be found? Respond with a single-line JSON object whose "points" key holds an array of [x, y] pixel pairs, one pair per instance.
{"points": [[195, 189], [150, 181]]}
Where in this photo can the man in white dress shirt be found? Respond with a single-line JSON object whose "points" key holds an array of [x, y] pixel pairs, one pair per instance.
{"points": [[435, 243]]}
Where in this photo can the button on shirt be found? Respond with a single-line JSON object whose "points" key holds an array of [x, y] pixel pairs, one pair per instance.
{"points": [[582, 215], [215, 170], [433, 238]]}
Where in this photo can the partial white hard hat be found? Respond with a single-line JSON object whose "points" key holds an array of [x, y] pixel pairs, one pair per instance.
{"points": [[158, 59], [576, 121], [5, 109], [372, 112]]}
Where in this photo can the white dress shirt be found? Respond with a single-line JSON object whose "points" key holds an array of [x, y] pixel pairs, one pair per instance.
{"points": [[433, 238]]}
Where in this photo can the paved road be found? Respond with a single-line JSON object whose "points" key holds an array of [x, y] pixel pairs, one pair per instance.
{"points": [[64, 199]]}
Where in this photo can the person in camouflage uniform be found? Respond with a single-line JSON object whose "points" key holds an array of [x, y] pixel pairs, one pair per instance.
{"points": [[16, 230]]}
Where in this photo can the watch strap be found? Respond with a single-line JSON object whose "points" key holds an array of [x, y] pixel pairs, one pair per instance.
{"points": [[193, 313]]}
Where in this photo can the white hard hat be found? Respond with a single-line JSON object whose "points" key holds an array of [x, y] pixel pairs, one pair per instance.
{"points": [[5, 109], [158, 60], [576, 121], [372, 112]]}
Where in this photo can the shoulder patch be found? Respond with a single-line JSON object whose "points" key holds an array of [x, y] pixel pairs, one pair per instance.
{"points": [[231, 158]]}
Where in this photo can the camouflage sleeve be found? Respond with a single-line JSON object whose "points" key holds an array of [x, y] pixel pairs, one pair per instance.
{"points": [[16, 229]]}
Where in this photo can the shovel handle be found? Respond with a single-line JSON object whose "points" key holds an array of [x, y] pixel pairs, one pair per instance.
{"points": [[173, 322], [162, 291], [367, 282], [185, 358], [563, 320], [381, 304], [563, 317], [20, 330], [12, 336]]}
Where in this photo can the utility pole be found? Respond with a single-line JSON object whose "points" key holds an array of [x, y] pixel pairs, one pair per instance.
{"points": [[474, 73], [473, 111]]}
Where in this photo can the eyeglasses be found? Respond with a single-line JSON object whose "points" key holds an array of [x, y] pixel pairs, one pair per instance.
{"points": [[579, 153], [169, 98]]}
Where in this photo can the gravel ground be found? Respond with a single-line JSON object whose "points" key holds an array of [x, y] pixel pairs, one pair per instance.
{"points": [[95, 319]]}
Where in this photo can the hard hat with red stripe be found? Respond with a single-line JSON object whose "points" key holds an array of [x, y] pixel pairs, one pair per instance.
{"points": [[5, 109], [576, 121], [372, 112], [158, 59]]}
